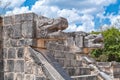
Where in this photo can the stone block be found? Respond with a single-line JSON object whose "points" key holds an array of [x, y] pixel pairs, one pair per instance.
{"points": [[18, 18], [27, 29], [28, 68], [19, 66], [59, 54], [14, 42], [71, 71], [91, 78], [40, 78], [20, 53], [1, 54], [15, 31], [67, 63], [51, 46], [70, 55], [1, 65], [7, 20], [79, 41], [22, 42], [28, 16], [79, 64], [5, 51], [116, 74], [66, 48], [19, 77], [60, 61], [9, 76], [1, 76], [59, 47], [11, 53], [73, 63], [7, 43], [10, 65], [29, 42], [29, 77], [6, 32], [83, 71]]}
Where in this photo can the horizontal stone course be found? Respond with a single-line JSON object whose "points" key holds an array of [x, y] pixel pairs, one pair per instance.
{"points": [[86, 77], [19, 18], [76, 71]]}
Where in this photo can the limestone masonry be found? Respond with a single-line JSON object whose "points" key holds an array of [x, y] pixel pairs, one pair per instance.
{"points": [[35, 47]]}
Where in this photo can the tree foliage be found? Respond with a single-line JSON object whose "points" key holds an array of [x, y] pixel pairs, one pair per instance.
{"points": [[111, 50]]}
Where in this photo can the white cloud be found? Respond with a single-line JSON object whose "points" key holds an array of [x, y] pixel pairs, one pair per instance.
{"points": [[115, 20], [12, 3], [18, 11], [79, 13]]}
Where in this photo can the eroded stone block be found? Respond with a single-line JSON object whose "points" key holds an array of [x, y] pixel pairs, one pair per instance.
{"points": [[19, 77], [9, 76], [15, 31], [10, 65], [1, 65], [7, 20], [11, 53], [27, 29], [20, 52], [19, 66]]}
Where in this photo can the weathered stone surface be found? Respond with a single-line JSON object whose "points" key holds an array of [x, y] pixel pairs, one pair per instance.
{"points": [[19, 77], [20, 53], [28, 17], [8, 20], [29, 68], [1, 65], [1, 76], [11, 53], [10, 65], [29, 77], [7, 43], [19, 66], [46, 25], [14, 42], [18, 18], [27, 29], [23, 63], [79, 40], [15, 31], [1, 54], [40, 78], [9, 76]]}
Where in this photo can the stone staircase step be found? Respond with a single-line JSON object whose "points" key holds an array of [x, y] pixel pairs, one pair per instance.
{"points": [[85, 77], [51, 72], [75, 71], [69, 62]]}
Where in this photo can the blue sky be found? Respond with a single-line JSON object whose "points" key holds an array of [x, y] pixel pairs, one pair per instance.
{"points": [[82, 15]]}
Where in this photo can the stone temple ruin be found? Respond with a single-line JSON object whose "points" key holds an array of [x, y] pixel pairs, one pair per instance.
{"points": [[35, 47]]}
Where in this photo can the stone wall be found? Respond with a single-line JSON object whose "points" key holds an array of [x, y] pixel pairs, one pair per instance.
{"points": [[18, 33]]}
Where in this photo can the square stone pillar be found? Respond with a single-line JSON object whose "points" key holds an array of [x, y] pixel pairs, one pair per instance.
{"points": [[18, 32]]}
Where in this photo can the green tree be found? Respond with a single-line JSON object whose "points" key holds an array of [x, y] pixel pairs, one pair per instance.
{"points": [[111, 49]]}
